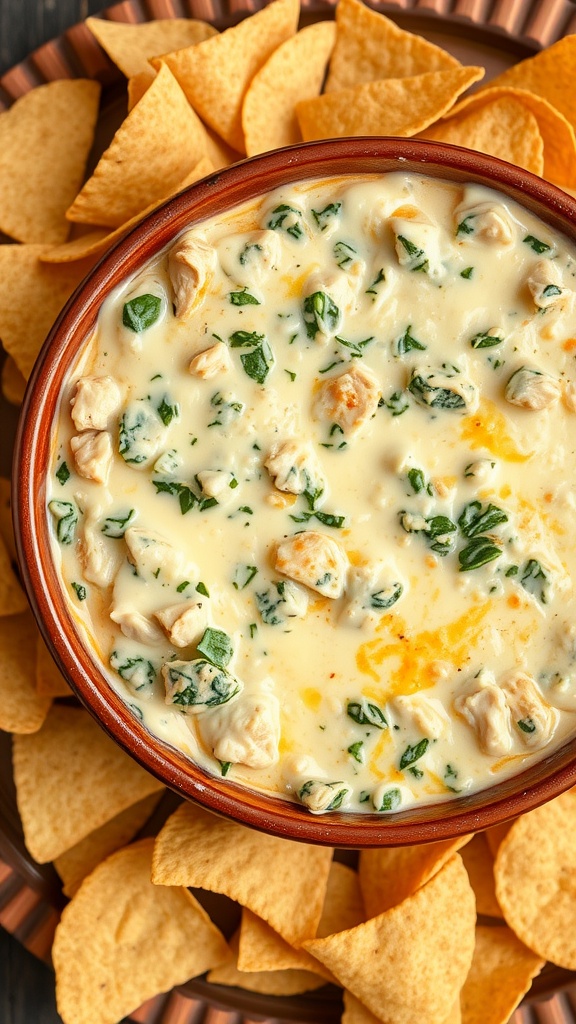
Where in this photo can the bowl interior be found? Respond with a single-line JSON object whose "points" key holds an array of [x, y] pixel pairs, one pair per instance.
{"points": [[212, 196]]}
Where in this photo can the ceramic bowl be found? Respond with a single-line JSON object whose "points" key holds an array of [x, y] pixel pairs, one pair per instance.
{"points": [[211, 196]]}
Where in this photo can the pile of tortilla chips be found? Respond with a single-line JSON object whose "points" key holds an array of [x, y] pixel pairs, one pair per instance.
{"points": [[400, 935]]}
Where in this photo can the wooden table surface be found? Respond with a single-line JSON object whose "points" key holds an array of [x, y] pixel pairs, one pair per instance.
{"points": [[27, 986]]}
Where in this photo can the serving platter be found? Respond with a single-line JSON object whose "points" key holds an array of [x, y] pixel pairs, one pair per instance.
{"points": [[494, 33]]}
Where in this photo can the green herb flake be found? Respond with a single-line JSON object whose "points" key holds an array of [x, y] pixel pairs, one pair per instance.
{"points": [[243, 575], [168, 411], [248, 253], [535, 244], [258, 363], [535, 581], [245, 339], [465, 227], [380, 277], [225, 767], [475, 519], [66, 516], [216, 646], [407, 343], [391, 800], [527, 725], [182, 586], [383, 599], [243, 298], [417, 480], [398, 403], [485, 340], [325, 216], [291, 375], [62, 473], [201, 588], [467, 273], [320, 314], [478, 552], [253, 629], [413, 753], [80, 591], [343, 254], [116, 526], [286, 218], [365, 712], [142, 312], [416, 255]]}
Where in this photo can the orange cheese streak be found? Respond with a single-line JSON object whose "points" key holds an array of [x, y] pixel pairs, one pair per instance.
{"points": [[489, 429]]}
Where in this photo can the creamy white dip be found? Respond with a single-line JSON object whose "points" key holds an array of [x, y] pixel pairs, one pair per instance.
{"points": [[314, 486]]}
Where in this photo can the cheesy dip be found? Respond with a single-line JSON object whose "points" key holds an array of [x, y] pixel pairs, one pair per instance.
{"points": [[313, 492]]}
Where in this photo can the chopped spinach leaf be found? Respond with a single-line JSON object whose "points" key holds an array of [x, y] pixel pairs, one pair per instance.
{"points": [[139, 672], [216, 646], [243, 298], [536, 244], [527, 725], [62, 473], [418, 257], [201, 588], [116, 526], [248, 252], [286, 218], [140, 313], [199, 683], [406, 343], [80, 591], [397, 403], [434, 395], [320, 314], [245, 339], [323, 217], [357, 752], [535, 580], [167, 411], [413, 753], [467, 273], [365, 712], [478, 552], [391, 799], [343, 254], [465, 227], [243, 575], [418, 481], [485, 340], [258, 363], [356, 347], [225, 767], [475, 519], [373, 289], [66, 515], [386, 598], [182, 586]]}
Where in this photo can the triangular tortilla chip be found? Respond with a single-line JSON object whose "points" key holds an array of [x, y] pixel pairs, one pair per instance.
{"points": [[294, 72], [199, 850], [13, 383], [271, 983], [479, 864], [95, 242], [45, 139], [138, 85], [395, 106], [356, 1013], [157, 145], [49, 680], [78, 862], [70, 779], [549, 74], [557, 133], [215, 74], [409, 963], [501, 127], [369, 47], [501, 973], [390, 874], [31, 297], [12, 597], [22, 710], [131, 46], [122, 940]]}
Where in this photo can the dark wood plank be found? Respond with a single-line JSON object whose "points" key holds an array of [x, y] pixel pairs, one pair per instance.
{"points": [[26, 24]]}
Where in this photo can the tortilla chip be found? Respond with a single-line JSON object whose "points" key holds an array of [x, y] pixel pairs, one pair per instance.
{"points": [[369, 47], [31, 297], [22, 710], [131, 46], [502, 127], [157, 145], [389, 875], [6, 528], [71, 779], [138, 85], [262, 949], [410, 962], [78, 862], [495, 835], [501, 973], [96, 242], [548, 74], [356, 1013], [395, 106], [271, 983], [13, 383], [534, 870], [294, 72], [45, 139], [197, 849], [216, 74], [557, 133], [479, 864], [12, 597], [122, 940], [49, 680]]}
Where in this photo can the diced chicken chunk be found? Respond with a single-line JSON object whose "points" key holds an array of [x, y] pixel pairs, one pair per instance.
{"points": [[191, 266], [294, 467], [96, 400], [153, 556], [211, 362], [486, 711], [280, 601], [142, 433], [245, 732], [426, 715], [184, 623], [136, 626], [350, 400], [370, 590], [215, 483], [92, 452], [326, 297], [545, 284], [99, 562], [248, 259], [485, 222], [315, 560], [319, 796], [532, 389], [196, 686], [417, 243], [535, 719], [443, 387]]}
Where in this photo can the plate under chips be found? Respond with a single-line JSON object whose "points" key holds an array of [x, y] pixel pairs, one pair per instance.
{"points": [[45, 139], [22, 709], [215, 74], [271, 983], [131, 46], [370, 47], [394, 106], [409, 963], [356, 1013], [501, 973], [199, 850], [71, 779], [389, 875], [122, 940]]}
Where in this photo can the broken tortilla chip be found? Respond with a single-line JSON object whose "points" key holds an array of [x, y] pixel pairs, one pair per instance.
{"points": [[271, 983], [534, 866], [131, 46], [395, 106], [501, 973], [138, 85], [49, 680], [31, 297], [80, 860], [45, 139], [157, 145], [479, 864], [122, 940], [71, 779], [294, 72], [22, 709], [502, 127], [12, 597], [410, 962], [215, 74], [199, 850], [370, 47], [547, 75], [388, 875], [13, 383]]}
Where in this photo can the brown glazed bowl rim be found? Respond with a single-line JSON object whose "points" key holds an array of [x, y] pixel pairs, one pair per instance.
{"points": [[213, 195]]}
